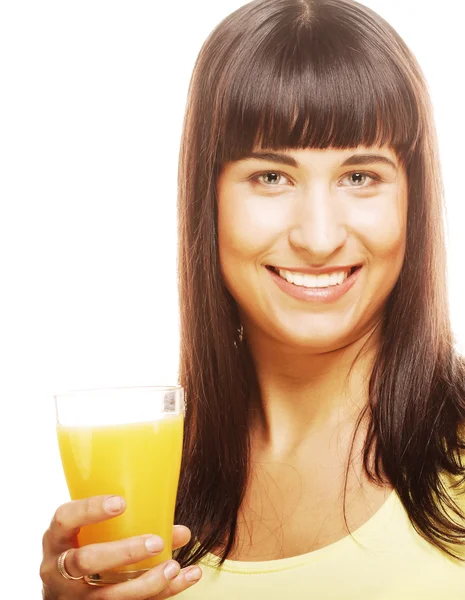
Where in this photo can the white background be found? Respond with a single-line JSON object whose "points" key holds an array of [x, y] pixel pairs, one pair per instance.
{"points": [[91, 105]]}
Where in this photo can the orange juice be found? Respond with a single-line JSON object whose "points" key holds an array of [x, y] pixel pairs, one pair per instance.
{"points": [[139, 461]]}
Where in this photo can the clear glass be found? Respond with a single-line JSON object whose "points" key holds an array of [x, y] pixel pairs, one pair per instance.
{"points": [[125, 442]]}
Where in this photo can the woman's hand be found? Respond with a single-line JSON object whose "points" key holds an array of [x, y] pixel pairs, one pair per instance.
{"points": [[163, 581]]}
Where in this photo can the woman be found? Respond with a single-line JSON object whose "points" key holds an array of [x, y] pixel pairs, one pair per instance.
{"points": [[324, 423]]}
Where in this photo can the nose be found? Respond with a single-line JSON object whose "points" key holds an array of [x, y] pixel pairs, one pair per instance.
{"points": [[318, 224]]}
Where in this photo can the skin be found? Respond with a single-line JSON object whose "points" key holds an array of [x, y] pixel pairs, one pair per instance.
{"points": [[315, 214], [163, 581]]}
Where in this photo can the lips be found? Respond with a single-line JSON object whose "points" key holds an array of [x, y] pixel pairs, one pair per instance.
{"points": [[314, 294]]}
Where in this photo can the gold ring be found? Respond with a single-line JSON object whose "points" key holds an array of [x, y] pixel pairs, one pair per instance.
{"points": [[62, 569]]}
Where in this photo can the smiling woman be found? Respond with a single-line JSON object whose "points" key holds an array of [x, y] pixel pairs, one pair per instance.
{"points": [[317, 353], [325, 403]]}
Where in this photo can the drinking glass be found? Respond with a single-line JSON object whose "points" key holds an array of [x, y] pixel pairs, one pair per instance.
{"points": [[125, 442]]}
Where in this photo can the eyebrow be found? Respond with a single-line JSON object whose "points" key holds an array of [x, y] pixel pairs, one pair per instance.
{"points": [[355, 159]]}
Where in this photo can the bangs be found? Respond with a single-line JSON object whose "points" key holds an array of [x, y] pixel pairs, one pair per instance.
{"points": [[313, 88]]}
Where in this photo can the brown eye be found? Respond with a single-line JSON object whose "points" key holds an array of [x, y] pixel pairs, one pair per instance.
{"points": [[358, 179], [269, 178]]}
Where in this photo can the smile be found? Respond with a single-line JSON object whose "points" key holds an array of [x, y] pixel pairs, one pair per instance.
{"points": [[325, 287], [315, 281]]}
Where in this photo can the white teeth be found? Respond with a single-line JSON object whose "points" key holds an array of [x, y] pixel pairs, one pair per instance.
{"points": [[314, 281]]}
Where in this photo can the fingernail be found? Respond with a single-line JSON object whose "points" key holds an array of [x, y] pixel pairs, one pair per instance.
{"points": [[171, 570], [154, 544], [113, 504], [193, 574]]}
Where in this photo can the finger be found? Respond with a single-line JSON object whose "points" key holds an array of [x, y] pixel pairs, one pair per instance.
{"points": [[95, 558], [70, 517], [147, 585], [186, 579], [181, 536]]}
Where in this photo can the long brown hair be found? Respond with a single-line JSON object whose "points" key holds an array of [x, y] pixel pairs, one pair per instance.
{"points": [[315, 74]]}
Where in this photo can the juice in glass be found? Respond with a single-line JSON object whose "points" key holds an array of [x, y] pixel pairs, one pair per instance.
{"points": [[139, 461], [125, 442]]}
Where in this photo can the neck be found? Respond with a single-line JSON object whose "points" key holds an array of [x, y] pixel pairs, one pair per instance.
{"points": [[306, 395]]}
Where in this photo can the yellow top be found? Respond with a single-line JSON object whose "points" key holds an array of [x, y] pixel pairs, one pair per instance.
{"points": [[387, 560]]}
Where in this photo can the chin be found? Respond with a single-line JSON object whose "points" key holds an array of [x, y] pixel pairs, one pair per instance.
{"points": [[316, 341], [318, 332]]}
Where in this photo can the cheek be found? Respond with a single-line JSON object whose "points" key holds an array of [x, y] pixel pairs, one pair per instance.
{"points": [[247, 226], [383, 229]]}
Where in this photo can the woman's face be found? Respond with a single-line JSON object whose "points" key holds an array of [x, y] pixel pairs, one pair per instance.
{"points": [[286, 216]]}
